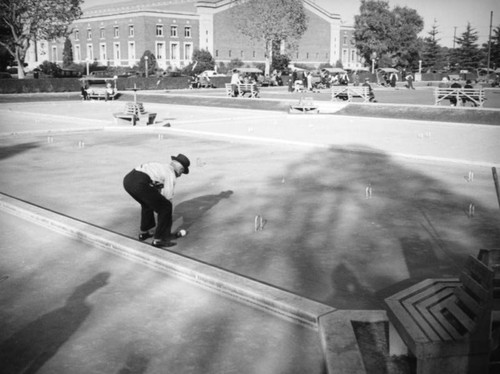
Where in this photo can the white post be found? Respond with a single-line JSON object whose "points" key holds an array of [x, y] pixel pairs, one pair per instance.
{"points": [[88, 67], [146, 61]]}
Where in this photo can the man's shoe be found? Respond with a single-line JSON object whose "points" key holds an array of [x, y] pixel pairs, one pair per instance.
{"points": [[145, 235], [160, 243]]}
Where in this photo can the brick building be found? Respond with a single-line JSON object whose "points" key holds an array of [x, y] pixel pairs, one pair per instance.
{"points": [[118, 35]]}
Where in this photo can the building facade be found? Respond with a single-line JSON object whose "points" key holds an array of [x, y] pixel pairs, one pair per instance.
{"points": [[172, 30]]}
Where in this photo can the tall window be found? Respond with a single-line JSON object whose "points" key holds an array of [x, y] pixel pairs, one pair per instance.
{"points": [[78, 53], [89, 34], [159, 30], [188, 51], [102, 52], [173, 31], [187, 32], [90, 52], [174, 51], [131, 30], [53, 56], [131, 53], [102, 33], [77, 35], [116, 32], [160, 50], [116, 53]]}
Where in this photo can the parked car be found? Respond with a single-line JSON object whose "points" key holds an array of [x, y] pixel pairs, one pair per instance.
{"points": [[5, 75]]}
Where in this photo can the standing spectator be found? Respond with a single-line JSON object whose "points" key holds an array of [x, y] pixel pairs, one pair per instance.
{"points": [[235, 80], [393, 79], [309, 81], [409, 79], [291, 81]]}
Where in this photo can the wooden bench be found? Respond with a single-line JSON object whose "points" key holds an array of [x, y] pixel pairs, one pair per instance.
{"points": [[243, 88], [347, 93], [459, 96], [136, 114], [446, 322], [250, 88], [305, 105]]}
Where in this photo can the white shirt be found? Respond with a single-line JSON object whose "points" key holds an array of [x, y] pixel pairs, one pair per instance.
{"points": [[235, 78], [161, 173]]}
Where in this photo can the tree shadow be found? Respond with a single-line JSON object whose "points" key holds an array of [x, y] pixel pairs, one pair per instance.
{"points": [[325, 231], [13, 150], [193, 210], [27, 350]]}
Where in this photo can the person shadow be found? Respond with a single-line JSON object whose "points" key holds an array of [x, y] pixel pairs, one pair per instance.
{"points": [[27, 350], [191, 210]]}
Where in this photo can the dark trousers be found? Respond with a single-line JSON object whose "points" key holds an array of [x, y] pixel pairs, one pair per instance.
{"points": [[140, 187]]}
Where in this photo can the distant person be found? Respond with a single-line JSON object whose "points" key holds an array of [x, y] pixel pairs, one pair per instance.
{"points": [[465, 99], [409, 80], [371, 94], [453, 97], [235, 80], [291, 81], [152, 186], [309, 81], [84, 94], [393, 79]]}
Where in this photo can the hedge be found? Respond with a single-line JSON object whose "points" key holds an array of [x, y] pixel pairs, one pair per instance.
{"points": [[9, 86]]}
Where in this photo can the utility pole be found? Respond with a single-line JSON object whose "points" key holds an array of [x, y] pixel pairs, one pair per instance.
{"points": [[489, 45], [454, 37]]}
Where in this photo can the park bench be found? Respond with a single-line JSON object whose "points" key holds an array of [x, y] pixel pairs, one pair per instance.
{"points": [[459, 96], [347, 93], [135, 114], [446, 323], [250, 88], [243, 88], [305, 105]]}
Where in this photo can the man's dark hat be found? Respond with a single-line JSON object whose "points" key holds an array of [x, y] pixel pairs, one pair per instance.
{"points": [[184, 161]]}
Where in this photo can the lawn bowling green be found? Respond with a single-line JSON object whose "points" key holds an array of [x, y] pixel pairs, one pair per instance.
{"points": [[350, 207], [340, 210]]}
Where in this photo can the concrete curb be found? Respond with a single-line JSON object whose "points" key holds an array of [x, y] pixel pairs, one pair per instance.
{"points": [[338, 339], [279, 302]]}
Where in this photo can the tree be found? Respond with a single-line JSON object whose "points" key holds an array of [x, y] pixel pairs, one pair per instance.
{"points": [[404, 42], [28, 21], [67, 53], [269, 22], [151, 63], [372, 29], [202, 60], [467, 55], [385, 35], [431, 53]]}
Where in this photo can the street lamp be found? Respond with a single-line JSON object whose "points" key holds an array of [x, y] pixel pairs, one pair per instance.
{"points": [[146, 61]]}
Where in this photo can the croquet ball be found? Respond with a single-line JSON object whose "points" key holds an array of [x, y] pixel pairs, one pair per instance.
{"points": [[182, 233]]}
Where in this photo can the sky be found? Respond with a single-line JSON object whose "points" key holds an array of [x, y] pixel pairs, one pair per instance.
{"points": [[451, 16]]}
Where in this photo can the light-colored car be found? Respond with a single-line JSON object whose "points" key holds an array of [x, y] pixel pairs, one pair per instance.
{"points": [[211, 73]]}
